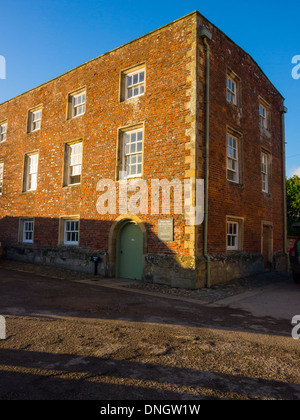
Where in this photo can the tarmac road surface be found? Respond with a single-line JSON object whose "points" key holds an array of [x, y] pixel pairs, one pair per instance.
{"points": [[81, 339]]}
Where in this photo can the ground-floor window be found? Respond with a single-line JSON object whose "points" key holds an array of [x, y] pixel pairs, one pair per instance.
{"points": [[69, 230], [26, 230], [234, 234]]}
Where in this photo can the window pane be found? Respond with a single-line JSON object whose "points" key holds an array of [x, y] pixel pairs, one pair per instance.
{"points": [[32, 164], [129, 80], [133, 152], [28, 231], [135, 84], [78, 104], [71, 231], [133, 137], [135, 79]]}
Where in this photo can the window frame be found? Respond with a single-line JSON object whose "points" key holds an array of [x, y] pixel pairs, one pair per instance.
{"points": [[29, 231], [122, 164], [133, 85], [22, 223], [232, 235], [265, 116], [77, 106], [265, 172], [62, 241], [232, 93], [71, 106], [26, 174], [31, 121], [1, 176], [234, 159], [3, 133], [67, 163], [71, 231], [130, 72], [236, 95], [238, 235]]}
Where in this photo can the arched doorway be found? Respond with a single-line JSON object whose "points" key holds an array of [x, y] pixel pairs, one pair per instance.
{"points": [[120, 232], [130, 251]]}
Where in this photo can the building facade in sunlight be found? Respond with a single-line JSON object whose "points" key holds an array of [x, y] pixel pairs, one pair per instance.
{"points": [[182, 103]]}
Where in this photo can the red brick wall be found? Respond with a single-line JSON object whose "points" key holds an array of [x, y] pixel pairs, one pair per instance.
{"points": [[162, 110], [246, 200]]}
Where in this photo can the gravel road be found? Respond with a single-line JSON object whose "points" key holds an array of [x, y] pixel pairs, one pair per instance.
{"points": [[78, 339]]}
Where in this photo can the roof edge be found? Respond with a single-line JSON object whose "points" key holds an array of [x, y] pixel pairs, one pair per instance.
{"points": [[195, 12], [102, 55], [242, 49]]}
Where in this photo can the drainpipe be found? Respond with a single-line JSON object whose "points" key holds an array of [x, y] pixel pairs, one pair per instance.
{"points": [[206, 35], [283, 110]]}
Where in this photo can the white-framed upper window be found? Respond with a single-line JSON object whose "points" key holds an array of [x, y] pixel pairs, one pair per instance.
{"points": [[77, 104], [1, 176], [135, 84], [232, 158], [263, 116], [265, 172], [231, 93], [71, 232], [35, 120], [73, 163], [132, 159], [3, 131], [30, 172], [27, 231], [232, 236]]}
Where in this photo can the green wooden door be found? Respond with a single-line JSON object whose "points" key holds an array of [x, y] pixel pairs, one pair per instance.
{"points": [[131, 252]]}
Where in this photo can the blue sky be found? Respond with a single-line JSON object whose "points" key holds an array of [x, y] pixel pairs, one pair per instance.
{"points": [[43, 39]]}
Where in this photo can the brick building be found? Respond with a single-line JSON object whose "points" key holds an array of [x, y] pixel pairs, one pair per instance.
{"points": [[142, 112]]}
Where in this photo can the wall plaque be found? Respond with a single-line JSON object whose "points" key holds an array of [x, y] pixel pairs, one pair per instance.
{"points": [[166, 230]]}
